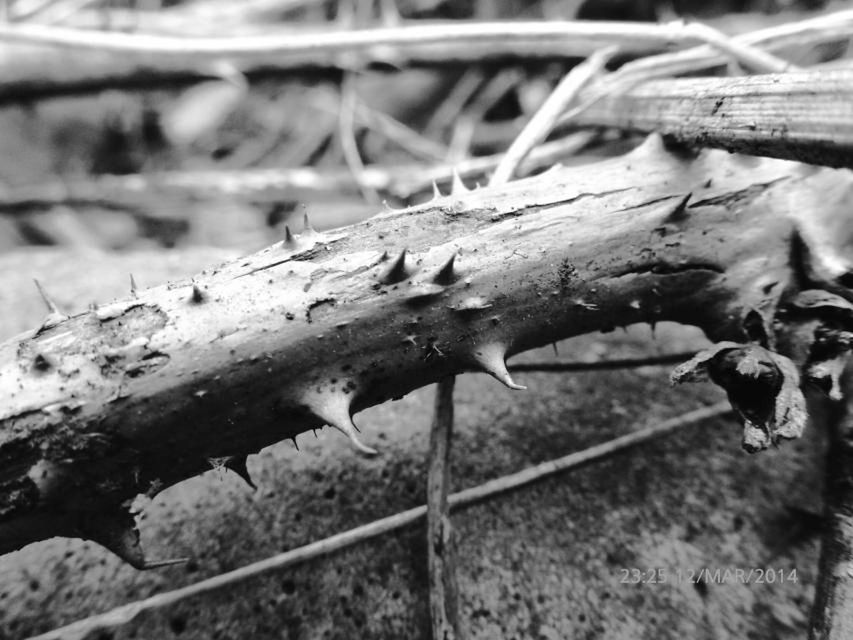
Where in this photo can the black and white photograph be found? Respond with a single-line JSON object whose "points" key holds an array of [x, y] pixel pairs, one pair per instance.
{"points": [[426, 319]]}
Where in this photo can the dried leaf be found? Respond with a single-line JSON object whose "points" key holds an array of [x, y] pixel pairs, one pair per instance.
{"points": [[696, 369], [763, 388]]}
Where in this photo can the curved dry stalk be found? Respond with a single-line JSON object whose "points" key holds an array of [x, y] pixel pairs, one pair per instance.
{"points": [[543, 121], [346, 137], [793, 36]]}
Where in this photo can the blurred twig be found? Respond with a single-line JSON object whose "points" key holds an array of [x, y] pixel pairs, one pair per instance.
{"points": [[263, 185], [463, 131], [38, 60], [543, 121], [347, 138]]}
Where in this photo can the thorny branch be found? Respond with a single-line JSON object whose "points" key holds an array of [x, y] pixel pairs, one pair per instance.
{"points": [[138, 394]]}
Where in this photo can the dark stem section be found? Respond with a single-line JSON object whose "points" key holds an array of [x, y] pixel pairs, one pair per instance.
{"points": [[832, 611], [138, 394]]}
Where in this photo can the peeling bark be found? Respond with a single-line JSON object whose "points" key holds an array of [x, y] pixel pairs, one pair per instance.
{"points": [[141, 393]]}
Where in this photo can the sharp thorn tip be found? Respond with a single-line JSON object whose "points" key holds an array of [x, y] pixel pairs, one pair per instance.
{"points": [[491, 360], [457, 185], [198, 296], [51, 305]]}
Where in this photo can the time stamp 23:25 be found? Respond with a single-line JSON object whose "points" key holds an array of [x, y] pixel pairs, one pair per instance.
{"points": [[707, 575]]}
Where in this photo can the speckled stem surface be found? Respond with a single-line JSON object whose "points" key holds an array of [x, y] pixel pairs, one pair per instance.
{"points": [[140, 393]]}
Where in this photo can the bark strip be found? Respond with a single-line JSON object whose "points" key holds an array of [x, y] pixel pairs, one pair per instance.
{"points": [[805, 116]]}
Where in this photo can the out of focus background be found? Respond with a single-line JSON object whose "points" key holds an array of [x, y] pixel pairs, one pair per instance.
{"points": [[112, 165]]}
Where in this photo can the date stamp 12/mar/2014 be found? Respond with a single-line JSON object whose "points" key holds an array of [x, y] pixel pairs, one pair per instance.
{"points": [[707, 575]]}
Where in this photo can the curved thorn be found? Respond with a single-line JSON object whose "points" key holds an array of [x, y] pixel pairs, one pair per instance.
{"points": [[51, 305], [334, 409], [117, 533], [289, 239], [295, 444], [436, 192], [397, 272], [306, 226], [133, 288], [198, 295], [457, 186], [679, 211], [490, 358], [446, 275], [237, 464]]}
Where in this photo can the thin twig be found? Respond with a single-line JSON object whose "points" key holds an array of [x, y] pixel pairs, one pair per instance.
{"points": [[443, 589], [742, 52], [404, 136], [349, 144], [543, 121], [495, 89], [604, 365], [124, 614], [60, 12], [834, 27], [452, 105], [567, 38]]}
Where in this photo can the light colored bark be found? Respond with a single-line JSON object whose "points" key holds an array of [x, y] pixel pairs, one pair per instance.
{"points": [[141, 393]]}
